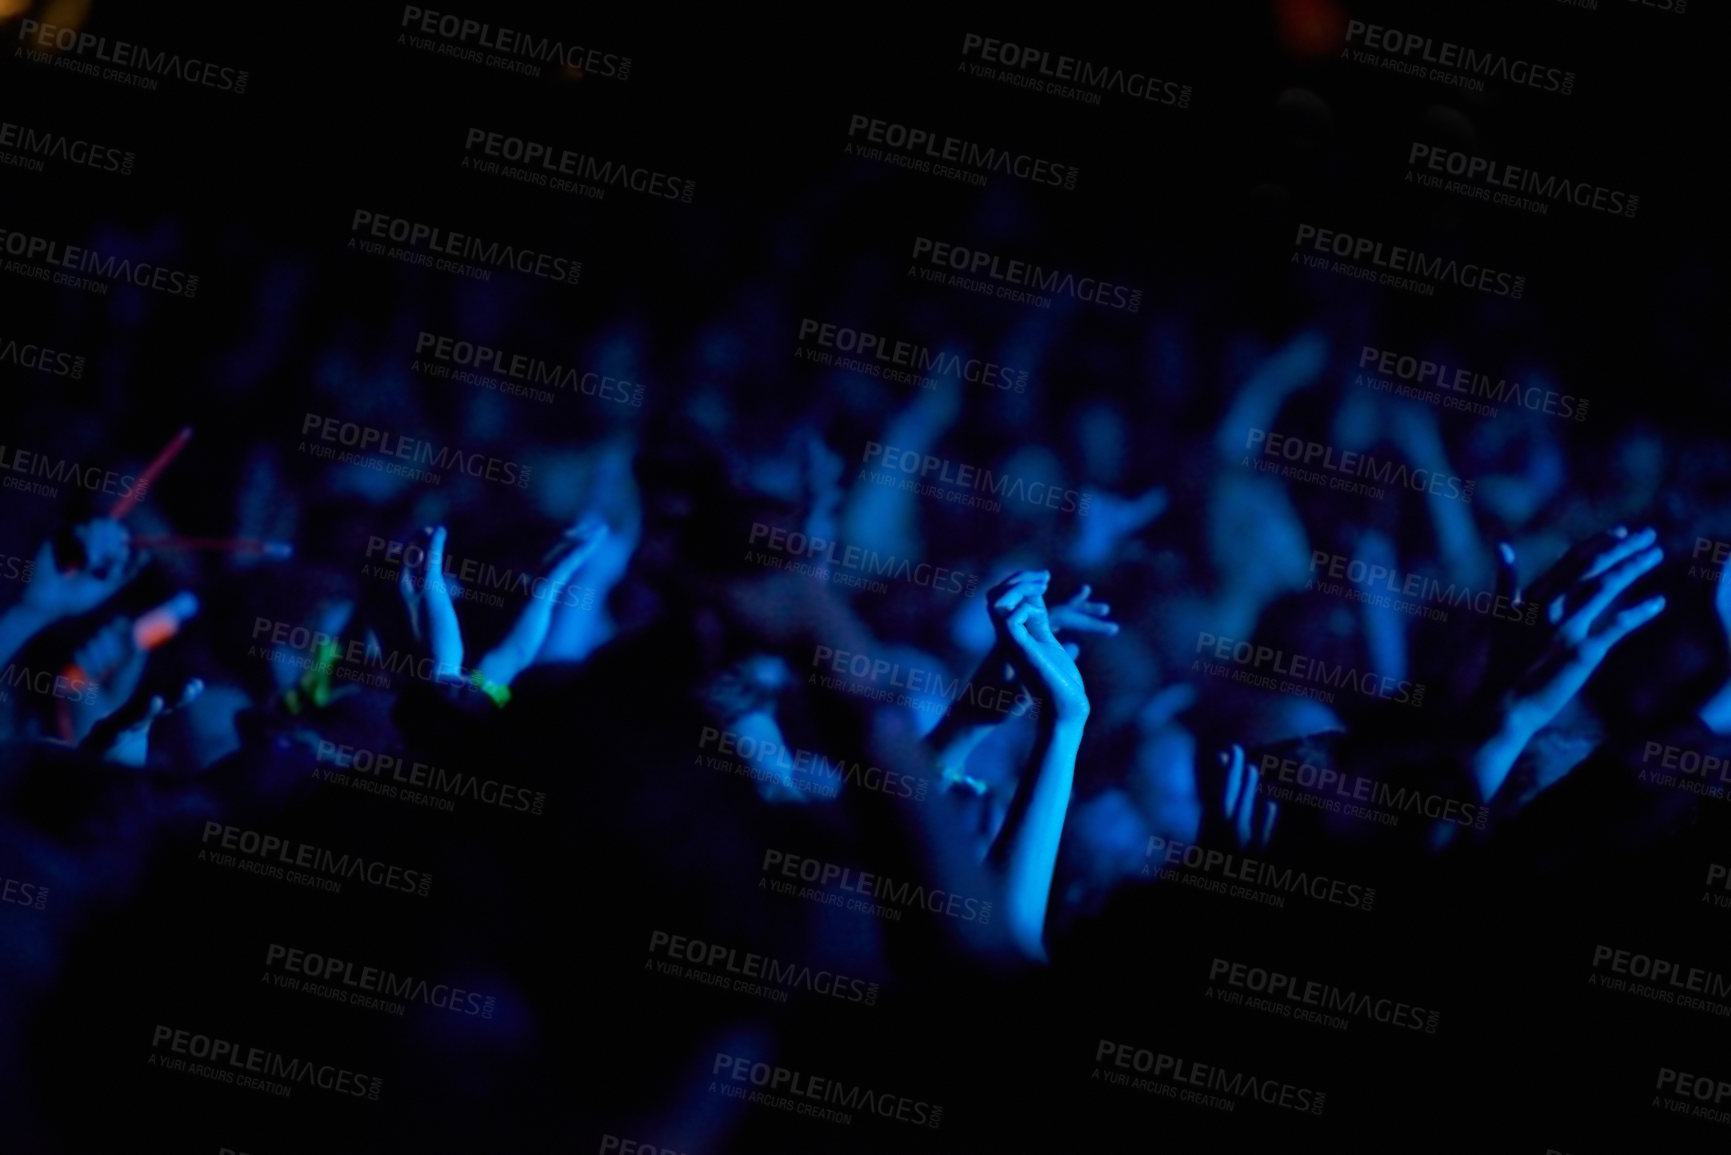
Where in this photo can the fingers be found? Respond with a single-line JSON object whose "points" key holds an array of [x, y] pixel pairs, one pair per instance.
{"points": [[1018, 588], [1626, 547], [107, 648], [1573, 564], [1508, 585], [1630, 620], [436, 550], [1233, 760], [189, 694], [105, 547], [1265, 831], [997, 593], [1600, 591], [1087, 625], [578, 546]]}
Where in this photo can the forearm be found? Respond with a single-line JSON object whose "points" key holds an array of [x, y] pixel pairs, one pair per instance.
{"points": [[1027, 847], [17, 626]]}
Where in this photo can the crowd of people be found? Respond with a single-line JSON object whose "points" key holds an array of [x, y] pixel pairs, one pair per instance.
{"points": [[751, 662]]}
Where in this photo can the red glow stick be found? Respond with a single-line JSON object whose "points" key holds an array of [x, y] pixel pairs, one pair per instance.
{"points": [[148, 477], [149, 631]]}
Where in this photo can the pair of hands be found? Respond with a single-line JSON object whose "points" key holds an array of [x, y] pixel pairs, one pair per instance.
{"points": [[1535, 671], [1026, 651], [433, 618]]}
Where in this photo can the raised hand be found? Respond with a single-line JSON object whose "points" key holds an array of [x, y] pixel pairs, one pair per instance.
{"points": [[1043, 662], [427, 598], [123, 737], [1027, 843], [519, 647], [1536, 671], [1237, 812], [1717, 711], [110, 663], [110, 562]]}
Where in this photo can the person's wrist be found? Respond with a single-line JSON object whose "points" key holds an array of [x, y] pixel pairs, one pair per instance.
{"points": [[1066, 720]]}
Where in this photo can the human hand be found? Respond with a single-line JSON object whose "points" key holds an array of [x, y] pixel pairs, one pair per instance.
{"points": [[1536, 671], [123, 737], [1235, 811], [109, 563], [427, 599], [519, 647], [1044, 664], [1079, 615]]}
